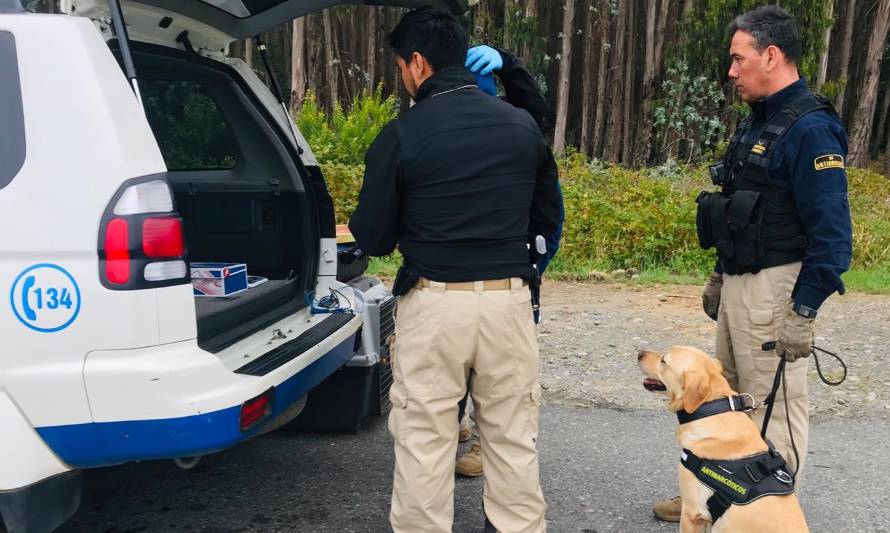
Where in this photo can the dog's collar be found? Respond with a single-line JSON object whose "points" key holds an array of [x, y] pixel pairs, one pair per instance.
{"points": [[743, 402]]}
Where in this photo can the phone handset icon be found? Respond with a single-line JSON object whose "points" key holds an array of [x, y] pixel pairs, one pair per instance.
{"points": [[26, 307]]}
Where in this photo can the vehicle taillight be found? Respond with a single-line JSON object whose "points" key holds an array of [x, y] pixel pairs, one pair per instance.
{"points": [[142, 244], [162, 237], [256, 409], [117, 251]]}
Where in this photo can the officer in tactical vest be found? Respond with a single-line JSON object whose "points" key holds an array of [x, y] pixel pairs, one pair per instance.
{"points": [[780, 224]]}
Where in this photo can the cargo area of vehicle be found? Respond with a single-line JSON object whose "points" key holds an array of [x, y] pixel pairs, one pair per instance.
{"points": [[237, 186]]}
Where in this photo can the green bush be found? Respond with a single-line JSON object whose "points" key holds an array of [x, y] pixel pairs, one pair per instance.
{"points": [[643, 219], [870, 206], [346, 137], [616, 217]]}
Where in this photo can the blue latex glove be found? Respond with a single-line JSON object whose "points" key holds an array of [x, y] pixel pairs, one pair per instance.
{"points": [[483, 60], [487, 84]]}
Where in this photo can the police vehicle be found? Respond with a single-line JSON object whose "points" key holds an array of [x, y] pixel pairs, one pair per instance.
{"points": [[110, 188]]}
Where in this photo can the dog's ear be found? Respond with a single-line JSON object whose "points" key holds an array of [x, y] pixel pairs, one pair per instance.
{"points": [[696, 386]]}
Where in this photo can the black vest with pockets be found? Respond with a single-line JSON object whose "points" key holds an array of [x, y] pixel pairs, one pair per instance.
{"points": [[740, 481], [754, 223]]}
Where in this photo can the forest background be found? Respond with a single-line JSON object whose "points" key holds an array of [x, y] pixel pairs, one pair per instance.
{"points": [[642, 103]]}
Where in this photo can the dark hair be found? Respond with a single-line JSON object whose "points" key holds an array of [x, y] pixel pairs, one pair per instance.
{"points": [[770, 26], [434, 34]]}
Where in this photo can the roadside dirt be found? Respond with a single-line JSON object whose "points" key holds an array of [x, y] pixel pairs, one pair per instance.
{"points": [[592, 332]]}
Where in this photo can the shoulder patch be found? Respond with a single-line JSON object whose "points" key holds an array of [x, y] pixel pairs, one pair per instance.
{"points": [[759, 148], [825, 162]]}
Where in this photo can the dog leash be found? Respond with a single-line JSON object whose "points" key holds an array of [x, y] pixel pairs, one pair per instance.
{"points": [[780, 380]]}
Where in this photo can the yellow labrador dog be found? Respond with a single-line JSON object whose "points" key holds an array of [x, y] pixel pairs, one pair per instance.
{"points": [[719, 441]]}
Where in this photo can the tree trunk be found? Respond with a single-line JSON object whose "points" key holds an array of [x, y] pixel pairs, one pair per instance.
{"points": [[602, 79], [249, 47], [330, 61], [661, 35], [565, 77], [371, 50], [508, 17], [298, 66], [878, 143], [649, 72], [861, 125], [689, 5], [626, 155], [826, 42], [620, 56], [644, 140], [588, 81], [846, 49]]}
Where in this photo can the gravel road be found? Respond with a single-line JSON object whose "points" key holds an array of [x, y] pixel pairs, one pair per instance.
{"points": [[592, 332], [607, 446]]}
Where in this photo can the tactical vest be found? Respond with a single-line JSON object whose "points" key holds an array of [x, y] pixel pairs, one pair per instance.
{"points": [[754, 223], [740, 481]]}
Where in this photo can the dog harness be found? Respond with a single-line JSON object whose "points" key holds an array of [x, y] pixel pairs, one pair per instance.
{"points": [[736, 481]]}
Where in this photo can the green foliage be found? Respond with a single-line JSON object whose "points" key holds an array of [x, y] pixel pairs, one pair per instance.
{"points": [[645, 219], [704, 42], [687, 118], [619, 218], [870, 206], [344, 183], [346, 137]]}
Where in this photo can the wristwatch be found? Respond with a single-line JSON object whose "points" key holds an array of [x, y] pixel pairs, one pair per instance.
{"points": [[804, 311]]}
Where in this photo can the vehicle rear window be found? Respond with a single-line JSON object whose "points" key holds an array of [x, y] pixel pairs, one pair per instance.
{"points": [[12, 119], [188, 125]]}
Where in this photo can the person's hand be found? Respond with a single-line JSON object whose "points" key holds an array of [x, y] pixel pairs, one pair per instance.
{"points": [[796, 337], [483, 60], [710, 298]]}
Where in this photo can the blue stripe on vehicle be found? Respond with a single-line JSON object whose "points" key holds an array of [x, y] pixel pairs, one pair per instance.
{"points": [[107, 443]]}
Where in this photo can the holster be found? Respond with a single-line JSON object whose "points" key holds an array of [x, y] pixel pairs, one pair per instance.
{"points": [[406, 279]]}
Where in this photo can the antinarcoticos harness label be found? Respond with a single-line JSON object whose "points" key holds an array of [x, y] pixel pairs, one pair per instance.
{"points": [[724, 480]]}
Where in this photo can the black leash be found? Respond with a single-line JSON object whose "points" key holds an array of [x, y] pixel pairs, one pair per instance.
{"points": [[780, 380]]}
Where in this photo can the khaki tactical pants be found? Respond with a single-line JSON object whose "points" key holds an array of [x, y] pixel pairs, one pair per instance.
{"points": [[441, 337], [752, 307]]}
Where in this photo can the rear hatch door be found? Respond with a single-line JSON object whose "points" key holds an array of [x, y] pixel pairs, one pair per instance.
{"points": [[236, 19]]}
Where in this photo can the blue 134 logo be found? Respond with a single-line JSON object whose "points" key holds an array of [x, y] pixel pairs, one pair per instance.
{"points": [[45, 298]]}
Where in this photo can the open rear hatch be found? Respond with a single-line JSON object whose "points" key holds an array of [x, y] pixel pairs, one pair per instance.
{"points": [[246, 18], [212, 24], [238, 182]]}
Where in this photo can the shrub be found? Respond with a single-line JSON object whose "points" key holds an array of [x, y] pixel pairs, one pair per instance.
{"points": [[622, 218], [346, 137]]}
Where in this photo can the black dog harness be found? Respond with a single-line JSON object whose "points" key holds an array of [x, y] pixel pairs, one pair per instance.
{"points": [[736, 481]]}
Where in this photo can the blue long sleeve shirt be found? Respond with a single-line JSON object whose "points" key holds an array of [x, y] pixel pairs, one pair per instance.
{"points": [[800, 163]]}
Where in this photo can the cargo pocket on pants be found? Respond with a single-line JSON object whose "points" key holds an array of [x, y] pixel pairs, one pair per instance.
{"points": [[763, 329], [397, 414]]}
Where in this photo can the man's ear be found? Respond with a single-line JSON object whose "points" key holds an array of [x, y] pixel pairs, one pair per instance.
{"points": [[696, 386], [418, 64], [774, 55]]}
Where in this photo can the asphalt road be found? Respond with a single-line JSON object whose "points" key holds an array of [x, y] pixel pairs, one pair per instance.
{"points": [[601, 470]]}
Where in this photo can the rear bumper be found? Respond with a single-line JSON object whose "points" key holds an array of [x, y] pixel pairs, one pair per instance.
{"points": [[201, 386], [43, 506]]}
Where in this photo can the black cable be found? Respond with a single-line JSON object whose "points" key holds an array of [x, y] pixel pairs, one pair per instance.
{"points": [[771, 399], [788, 422], [819, 368]]}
